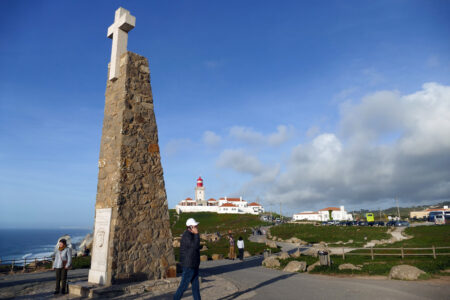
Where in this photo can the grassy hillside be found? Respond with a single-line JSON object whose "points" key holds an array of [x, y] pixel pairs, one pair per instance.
{"points": [[330, 234], [212, 222]]}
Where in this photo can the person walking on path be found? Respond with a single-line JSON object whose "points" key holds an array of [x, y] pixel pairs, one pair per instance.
{"points": [[231, 254], [190, 260], [240, 245], [62, 262]]}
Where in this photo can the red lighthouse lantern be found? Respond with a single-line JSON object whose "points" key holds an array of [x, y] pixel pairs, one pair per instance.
{"points": [[199, 182]]}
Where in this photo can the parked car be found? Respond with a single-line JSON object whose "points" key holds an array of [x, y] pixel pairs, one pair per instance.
{"points": [[433, 214], [379, 223], [439, 220], [391, 223], [401, 224], [363, 223]]}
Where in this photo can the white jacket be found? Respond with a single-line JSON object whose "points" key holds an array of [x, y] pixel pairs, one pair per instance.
{"points": [[240, 244], [60, 256]]}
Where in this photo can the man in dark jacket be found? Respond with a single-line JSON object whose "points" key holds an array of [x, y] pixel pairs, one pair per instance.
{"points": [[190, 260]]}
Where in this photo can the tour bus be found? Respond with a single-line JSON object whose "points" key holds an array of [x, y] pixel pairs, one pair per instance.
{"points": [[370, 218]]}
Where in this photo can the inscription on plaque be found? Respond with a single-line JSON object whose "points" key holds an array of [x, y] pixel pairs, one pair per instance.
{"points": [[97, 273]]}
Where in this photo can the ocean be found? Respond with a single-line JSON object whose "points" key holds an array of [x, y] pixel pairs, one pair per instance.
{"points": [[19, 244]]}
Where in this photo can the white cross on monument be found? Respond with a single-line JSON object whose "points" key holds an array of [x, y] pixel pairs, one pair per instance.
{"points": [[118, 32]]}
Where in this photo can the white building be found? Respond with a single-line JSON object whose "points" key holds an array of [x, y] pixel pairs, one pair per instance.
{"points": [[222, 206], [338, 214]]}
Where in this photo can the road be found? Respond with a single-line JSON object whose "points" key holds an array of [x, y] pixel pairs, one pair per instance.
{"points": [[256, 282], [226, 279]]}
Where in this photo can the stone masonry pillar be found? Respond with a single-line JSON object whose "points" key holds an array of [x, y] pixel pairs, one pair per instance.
{"points": [[132, 237]]}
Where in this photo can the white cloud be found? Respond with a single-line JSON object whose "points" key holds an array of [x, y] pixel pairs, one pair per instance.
{"points": [[312, 131], [249, 136], [388, 145], [240, 161], [211, 139]]}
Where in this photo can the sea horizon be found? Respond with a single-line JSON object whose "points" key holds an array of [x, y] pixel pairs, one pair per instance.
{"points": [[31, 243]]}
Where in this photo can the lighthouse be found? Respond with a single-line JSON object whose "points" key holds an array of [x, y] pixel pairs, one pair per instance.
{"points": [[200, 192]]}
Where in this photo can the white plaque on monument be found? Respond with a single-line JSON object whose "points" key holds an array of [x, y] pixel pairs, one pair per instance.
{"points": [[97, 273]]}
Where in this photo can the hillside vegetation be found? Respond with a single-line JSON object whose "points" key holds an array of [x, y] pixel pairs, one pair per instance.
{"points": [[330, 234], [213, 222]]}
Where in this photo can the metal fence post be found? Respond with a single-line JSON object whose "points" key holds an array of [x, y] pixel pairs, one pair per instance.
{"points": [[24, 265], [343, 253], [434, 252], [403, 255], [35, 264], [371, 252], [12, 266]]}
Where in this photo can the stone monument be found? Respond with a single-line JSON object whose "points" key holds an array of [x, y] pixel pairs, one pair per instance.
{"points": [[132, 237]]}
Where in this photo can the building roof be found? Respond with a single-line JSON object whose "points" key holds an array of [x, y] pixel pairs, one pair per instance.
{"points": [[234, 199], [228, 205], [330, 208], [308, 213], [188, 198], [212, 200], [254, 204], [436, 209]]}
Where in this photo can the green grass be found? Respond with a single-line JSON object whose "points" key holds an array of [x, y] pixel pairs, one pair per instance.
{"points": [[382, 266], [81, 262], [213, 222], [423, 237], [330, 234]]}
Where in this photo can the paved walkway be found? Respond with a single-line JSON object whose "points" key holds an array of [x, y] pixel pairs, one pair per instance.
{"points": [[226, 279]]}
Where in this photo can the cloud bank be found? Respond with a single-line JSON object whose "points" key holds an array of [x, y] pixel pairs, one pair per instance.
{"points": [[387, 145]]}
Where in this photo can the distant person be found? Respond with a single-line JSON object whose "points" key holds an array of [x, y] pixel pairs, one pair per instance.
{"points": [[62, 262], [231, 240], [190, 260], [240, 245]]}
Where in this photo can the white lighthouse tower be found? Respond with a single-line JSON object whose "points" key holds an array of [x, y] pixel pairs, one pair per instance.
{"points": [[200, 192]]}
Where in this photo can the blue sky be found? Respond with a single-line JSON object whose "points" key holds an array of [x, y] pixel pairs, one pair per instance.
{"points": [[307, 104]]}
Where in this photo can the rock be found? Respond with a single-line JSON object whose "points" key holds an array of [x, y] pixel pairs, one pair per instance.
{"points": [[271, 262], [271, 244], [283, 255], [348, 267], [295, 240], [217, 256], [204, 248], [259, 239], [176, 244], [296, 254], [405, 272], [247, 254], [350, 242], [203, 257], [311, 267], [280, 239], [68, 241], [295, 266], [312, 251], [86, 243]]}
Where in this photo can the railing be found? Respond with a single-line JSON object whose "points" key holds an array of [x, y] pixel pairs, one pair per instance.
{"points": [[13, 265], [402, 252]]}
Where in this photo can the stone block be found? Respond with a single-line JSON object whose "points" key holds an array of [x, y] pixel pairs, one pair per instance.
{"points": [[271, 262], [405, 272], [295, 266], [217, 256]]}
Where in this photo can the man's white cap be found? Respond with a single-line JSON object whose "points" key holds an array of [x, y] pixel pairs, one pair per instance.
{"points": [[191, 222]]}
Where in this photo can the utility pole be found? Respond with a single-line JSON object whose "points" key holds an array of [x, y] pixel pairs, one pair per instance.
{"points": [[281, 216], [380, 213], [398, 209]]}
